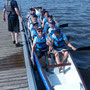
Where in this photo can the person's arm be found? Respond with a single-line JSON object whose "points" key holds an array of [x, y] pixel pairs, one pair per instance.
{"points": [[50, 48], [32, 38], [18, 13], [69, 45], [15, 5], [67, 42], [49, 43], [3, 13], [33, 47]]}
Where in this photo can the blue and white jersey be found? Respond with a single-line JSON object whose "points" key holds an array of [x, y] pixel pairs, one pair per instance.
{"points": [[46, 27], [33, 33], [41, 19], [39, 15], [45, 20], [50, 31], [59, 42], [31, 26], [40, 43]]}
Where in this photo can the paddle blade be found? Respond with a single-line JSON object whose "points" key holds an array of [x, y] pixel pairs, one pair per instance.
{"points": [[84, 48], [63, 25]]}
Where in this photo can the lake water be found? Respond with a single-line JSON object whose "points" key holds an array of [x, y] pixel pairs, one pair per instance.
{"points": [[77, 14]]}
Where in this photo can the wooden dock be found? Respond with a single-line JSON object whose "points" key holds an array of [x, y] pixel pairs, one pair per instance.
{"points": [[13, 74]]}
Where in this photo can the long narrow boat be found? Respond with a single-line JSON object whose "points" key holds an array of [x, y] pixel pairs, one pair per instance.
{"points": [[68, 79]]}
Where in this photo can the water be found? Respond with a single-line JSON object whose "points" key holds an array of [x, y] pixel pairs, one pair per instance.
{"points": [[77, 14]]}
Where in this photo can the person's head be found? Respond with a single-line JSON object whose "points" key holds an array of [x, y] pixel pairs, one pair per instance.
{"points": [[42, 13], [39, 9], [57, 32], [52, 23], [46, 14], [50, 18], [34, 19], [32, 10], [40, 31], [27, 15], [31, 15], [35, 25]]}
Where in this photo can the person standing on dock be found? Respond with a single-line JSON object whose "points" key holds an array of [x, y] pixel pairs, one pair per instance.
{"points": [[11, 7]]}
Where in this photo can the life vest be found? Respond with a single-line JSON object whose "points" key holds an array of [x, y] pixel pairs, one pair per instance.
{"points": [[41, 44], [8, 6], [59, 42]]}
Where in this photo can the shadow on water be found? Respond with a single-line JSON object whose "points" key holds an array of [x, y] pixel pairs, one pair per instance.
{"points": [[86, 76], [82, 61]]}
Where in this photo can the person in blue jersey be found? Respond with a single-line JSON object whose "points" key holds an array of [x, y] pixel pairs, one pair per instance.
{"points": [[59, 43], [42, 16], [32, 10], [34, 20], [30, 20], [39, 12], [34, 31], [45, 18], [46, 26], [52, 26], [40, 46]]}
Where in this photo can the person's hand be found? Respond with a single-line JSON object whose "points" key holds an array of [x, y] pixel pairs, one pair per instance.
{"points": [[21, 19], [31, 58], [4, 19], [73, 48], [48, 52]]}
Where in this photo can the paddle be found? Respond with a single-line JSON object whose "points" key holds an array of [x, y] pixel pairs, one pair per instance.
{"points": [[84, 48], [63, 25], [78, 49]]}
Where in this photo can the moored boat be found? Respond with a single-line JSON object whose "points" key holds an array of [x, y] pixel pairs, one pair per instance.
{"points": [[68, 79]]}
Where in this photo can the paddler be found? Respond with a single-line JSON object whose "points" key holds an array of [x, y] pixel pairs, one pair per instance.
{"points": [[40, 46], [59, 43]]}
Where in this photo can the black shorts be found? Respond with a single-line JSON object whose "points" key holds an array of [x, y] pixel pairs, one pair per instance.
{"points": [[13, 24], [40, 54]]}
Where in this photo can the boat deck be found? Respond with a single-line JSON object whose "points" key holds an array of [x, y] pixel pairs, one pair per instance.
{"points": [[13, 74]]}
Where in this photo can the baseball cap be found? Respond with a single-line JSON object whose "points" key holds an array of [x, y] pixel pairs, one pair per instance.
{"points": [[56, 31], [52, 22]]}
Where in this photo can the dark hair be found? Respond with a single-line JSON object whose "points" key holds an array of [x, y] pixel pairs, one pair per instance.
{"points": [[46, 12], [32, 9], [50, 16], [35, 16], [52, 22], [36, 23], [39, 7]]}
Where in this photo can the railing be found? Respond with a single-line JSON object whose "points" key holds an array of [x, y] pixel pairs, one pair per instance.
{"points": [[30, 74]]}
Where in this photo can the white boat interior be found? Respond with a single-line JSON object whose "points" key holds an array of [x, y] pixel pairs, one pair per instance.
{"points": [[68, 79]]}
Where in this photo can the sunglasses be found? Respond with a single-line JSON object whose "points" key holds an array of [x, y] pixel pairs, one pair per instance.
{"points": [[40, 31]]}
